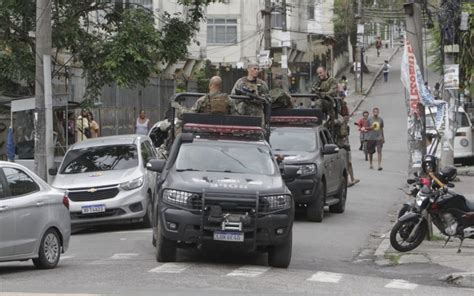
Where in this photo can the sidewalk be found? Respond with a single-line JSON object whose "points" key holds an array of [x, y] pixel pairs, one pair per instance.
{"points": [[374, 64]]}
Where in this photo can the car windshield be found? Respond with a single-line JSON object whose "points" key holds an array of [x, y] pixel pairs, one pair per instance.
{"points": [[227, 158], [293, 139], [101, 158]]}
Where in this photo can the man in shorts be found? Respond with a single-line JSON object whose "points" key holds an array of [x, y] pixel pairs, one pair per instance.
{"points": [[375, 137]]}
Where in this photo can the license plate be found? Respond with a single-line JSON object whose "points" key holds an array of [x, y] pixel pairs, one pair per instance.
{"points": [[93, 209], [228, 236]]}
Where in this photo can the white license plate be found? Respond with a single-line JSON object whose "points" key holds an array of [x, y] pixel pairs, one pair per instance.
{"points": [[93, 209], [228, 236]]}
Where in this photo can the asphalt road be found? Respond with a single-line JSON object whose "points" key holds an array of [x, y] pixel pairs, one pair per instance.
{"points": [[333, 257]]}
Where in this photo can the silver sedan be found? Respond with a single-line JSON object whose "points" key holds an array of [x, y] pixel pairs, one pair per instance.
{"points": [[34, 218]]}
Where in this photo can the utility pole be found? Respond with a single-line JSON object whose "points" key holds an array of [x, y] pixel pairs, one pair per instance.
{"points": [[284, 56], [268, 35], [414, 33], [358, 56], [43, 47]]}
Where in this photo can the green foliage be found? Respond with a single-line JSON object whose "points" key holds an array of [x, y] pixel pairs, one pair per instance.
{"points": [[112, 43]]}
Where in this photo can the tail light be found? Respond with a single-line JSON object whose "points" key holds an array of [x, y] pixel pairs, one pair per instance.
{"points": [[66, 200]]}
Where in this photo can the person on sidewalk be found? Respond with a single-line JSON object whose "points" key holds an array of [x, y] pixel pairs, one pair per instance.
{"points": [[378, 45], [375, 137], [385, 69], [142, 124], [342, 140], [361, 124]]}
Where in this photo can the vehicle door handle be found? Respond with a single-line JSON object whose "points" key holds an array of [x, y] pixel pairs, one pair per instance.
{"points": [[40, 203], [4, 208]]}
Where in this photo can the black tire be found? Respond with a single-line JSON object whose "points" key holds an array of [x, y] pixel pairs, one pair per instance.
{"points": [[405, 208], [280, 255], [402, 230], [148, 218], [165, 249], [315, 210], [49, 251], [340, 207]]}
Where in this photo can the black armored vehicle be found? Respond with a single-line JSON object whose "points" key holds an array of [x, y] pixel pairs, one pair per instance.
{"points": [[221, 185], [300, 139]]}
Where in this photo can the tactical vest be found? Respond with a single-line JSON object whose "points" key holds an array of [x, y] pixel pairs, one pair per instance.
{"points": [[217, 104]]}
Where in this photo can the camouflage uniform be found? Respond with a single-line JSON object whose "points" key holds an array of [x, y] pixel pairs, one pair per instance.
{"points": [[342, 136], [259, 87], [327, 90], [204, 104]]}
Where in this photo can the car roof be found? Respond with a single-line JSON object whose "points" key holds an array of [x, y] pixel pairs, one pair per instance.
{"points": [[231, 140], [110, 141]]}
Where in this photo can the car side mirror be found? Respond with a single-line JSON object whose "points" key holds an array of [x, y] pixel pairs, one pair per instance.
{"points": [[290, 171], [53, 171], [330, 149], [156, 165]]}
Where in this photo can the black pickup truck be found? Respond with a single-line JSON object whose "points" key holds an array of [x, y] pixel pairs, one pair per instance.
{"points": [[299, 138]]}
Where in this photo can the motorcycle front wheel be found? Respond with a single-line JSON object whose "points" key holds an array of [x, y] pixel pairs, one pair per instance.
{"points": [[400, 235]]}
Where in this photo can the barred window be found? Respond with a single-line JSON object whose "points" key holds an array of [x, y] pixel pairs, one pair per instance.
{"points": [[310, 12], [221, 31], [277, 20]]}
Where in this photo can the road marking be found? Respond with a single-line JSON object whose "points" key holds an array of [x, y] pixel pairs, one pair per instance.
{"points": [[123, 239], [66, 257], [401, 284], [131, 231], [170, 268], [43, 294], [249, 271], [123, 256], [325, 277]]}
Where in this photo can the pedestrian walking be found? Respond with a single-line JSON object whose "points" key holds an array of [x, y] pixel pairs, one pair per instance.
{"points": [[378, 45], [375, 137], [93, 125], [386, 69], [436, 91], [361, 125], [142, 124]]}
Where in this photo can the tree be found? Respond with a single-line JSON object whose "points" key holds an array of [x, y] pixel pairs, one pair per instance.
{"points": [[111, 41]]}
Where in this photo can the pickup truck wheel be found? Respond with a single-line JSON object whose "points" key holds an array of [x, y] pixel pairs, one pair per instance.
{"points": [[165, 248], [280, 255], [315, 210], [340, 207]]}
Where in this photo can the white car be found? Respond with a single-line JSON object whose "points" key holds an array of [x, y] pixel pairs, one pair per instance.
{"points": [[34, 218], [463, 145], [107, 180]]}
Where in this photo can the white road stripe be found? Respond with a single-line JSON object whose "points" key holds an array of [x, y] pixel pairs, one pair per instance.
{"points": [[249, 271], [131, 231], [123, 256], [67, 257], [43, 294], [401, 284], [325, 277], [170, 268]]}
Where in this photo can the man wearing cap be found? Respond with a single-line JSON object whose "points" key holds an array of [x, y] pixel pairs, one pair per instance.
{"points": [[254, 84]]}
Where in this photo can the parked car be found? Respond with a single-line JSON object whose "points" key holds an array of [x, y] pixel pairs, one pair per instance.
{"points": [[463, 140], [297, 136], [34, 218], [107, 180]]}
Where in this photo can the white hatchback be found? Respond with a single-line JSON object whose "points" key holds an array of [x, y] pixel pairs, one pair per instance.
{"points": [[107, 180], [34, 218]]}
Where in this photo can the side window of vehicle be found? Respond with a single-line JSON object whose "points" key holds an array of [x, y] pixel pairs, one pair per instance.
{"points": [[323, 138], [2, 188], [328, 137], [145, 153], [19, 182], [150, 148]]}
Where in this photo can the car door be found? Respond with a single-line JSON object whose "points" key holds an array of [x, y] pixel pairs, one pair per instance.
{"points": [[333, 160], [148, 153], [7, 221], [29, 206]]}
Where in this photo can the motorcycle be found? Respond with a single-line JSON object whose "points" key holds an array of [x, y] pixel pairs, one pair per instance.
{"points": [[450, 212]]}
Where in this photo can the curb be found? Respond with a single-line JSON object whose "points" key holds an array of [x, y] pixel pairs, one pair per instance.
{"points": [[372, 83]]}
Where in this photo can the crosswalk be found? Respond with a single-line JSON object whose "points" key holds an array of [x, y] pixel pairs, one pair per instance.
{"points": [[249, 271]]}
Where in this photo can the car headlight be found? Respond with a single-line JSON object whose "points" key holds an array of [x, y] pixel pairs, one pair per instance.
{"points": [[133, 184], [176, 197], [307, 169], [420, 198], [278, 202]]}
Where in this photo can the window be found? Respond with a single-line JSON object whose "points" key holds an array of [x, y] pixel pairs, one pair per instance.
{"points": [[277, 20], [147, 152], [221, 31], [100, 158], [310, 12], [328, 137], [19, 182], [293, 139]]}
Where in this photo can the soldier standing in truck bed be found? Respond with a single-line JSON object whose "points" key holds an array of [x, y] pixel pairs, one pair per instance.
{"points": [[254, 84], [215, 102], [326, 89]]}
